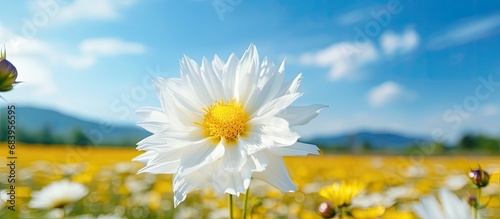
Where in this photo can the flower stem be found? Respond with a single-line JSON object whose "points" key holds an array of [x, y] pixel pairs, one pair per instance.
{"points": [[343, 213], [231, 206], [478, 203], [245, 203]]}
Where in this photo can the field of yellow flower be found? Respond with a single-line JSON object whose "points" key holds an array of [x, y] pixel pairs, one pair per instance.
{"points": [[116, 191]]}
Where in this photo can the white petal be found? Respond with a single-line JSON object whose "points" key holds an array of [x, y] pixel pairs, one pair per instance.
{"points": [[291, 87], [191, 76], [218, 65], [300, 115], [189, 67], [452, 205], [212, 80], [297, 149], [183, 97], [260, 161], [234, 183], [166, 167], [276, 129], [276, 174], [163, 162], [432, 207], [275, 106], [420, 210], [204, 81], [185, 183], [170, 138], [269, 84], [247, 74], [229, 76], [154, 119], [200, 154], [240, 182], [179, 107], [255, 141], [145, 157], [234, 158], [272, 80], [266, 67], [152, 142]]}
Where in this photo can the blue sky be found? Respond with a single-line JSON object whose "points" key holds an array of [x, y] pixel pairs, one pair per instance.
{"points": [[414, 67]]}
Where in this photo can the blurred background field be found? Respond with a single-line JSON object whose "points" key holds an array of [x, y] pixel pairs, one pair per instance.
{"points": [[413, 90], [115, 190]]}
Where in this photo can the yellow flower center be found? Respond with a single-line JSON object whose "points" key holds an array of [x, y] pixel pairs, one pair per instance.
{"points": [[61, 203], [225, 120]]}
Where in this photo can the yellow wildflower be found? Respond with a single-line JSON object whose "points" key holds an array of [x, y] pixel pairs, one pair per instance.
{"points": [[341, 193]]}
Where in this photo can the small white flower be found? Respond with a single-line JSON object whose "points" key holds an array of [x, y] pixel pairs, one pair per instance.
{"points": [[403, 191], [415, 172], [58, 195], [136, 185], [451, 207], [371, 200], [55, 213], [223, 123], [124, 168], [218, 213], [456, 182], [72, 169]]}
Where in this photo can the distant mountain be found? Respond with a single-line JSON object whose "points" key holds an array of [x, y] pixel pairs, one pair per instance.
{"points": [[376, 140], [43, 122], [34, 120]]}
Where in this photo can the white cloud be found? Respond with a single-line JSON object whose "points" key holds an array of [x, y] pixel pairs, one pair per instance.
{"points": [[19, 45], [355, 14], [343, 59], [85, 9], [465, 31], [392, 43], [37, 60], [34, 75], [352, 17], [348, 59], [31, 59], [110, 47], [387, 92], [91, 49], [490, 109]]}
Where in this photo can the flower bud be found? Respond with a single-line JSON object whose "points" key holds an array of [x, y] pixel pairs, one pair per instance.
{"points": [[479, 177], [8, 73], [326, 210]]}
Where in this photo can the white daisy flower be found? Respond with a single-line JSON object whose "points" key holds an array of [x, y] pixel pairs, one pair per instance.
{"points": [[451, 207], [456, 182], [406, 191], [223, 123], [58, 195]]}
